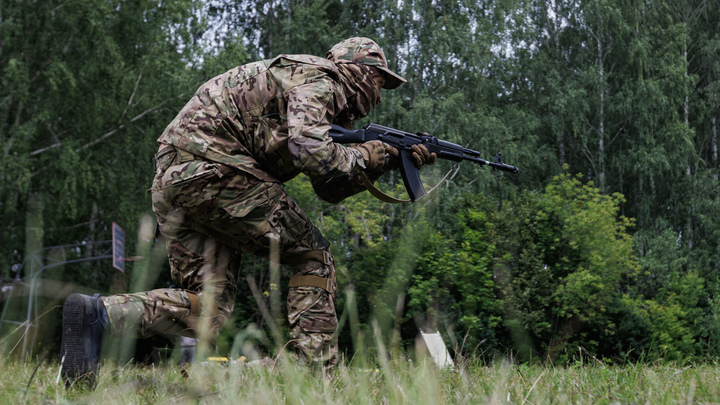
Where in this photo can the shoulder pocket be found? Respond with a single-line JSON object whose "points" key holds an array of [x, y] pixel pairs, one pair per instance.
{"points": [[178, 175]]}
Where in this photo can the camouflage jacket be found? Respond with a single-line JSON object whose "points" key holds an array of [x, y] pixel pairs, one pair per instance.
{"points": [[270, 119]]}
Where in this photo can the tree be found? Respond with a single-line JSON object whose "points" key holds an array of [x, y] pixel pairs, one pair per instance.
{"points": [[562, 258], [86, 89]]}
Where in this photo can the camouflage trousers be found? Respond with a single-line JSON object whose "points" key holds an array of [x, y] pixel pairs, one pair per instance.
{"points": [[208, 214]]}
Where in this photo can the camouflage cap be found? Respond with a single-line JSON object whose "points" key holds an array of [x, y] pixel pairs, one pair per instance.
{"points": [[366, 52]]}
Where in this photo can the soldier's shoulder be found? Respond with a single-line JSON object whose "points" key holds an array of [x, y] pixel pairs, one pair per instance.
{"points": [[295, 70], [288, 60]]}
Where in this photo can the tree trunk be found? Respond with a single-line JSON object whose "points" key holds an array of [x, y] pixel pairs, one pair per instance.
{"points": [[688, 169], [601, 119], [713, 127]]}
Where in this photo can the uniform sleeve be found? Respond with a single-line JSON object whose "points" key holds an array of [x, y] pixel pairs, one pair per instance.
{"points": [[310, 111]]}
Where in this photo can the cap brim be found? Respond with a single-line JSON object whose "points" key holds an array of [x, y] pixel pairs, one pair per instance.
{"points": [[392, 79]]}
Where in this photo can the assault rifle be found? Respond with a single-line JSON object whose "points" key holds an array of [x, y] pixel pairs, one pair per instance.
{"points": [[403, 142]]}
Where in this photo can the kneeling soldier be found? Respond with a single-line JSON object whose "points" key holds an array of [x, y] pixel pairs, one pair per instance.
{"points": [[218, 192]]}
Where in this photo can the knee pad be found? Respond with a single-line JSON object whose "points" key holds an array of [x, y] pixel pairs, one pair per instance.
{"points": [[324, 258]]}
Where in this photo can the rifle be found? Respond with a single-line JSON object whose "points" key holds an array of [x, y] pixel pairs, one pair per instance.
{"points": [[403, 142]]}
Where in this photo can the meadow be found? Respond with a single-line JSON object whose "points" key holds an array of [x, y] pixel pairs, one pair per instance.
{"points": [[393, 382]]}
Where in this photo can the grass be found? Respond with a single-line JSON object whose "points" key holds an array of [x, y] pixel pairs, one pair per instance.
{"points": [[398, 382]]}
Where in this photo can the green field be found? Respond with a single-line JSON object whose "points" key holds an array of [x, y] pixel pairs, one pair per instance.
{"points": [[397, 382]]}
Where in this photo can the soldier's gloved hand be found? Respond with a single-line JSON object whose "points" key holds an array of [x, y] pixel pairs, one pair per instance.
{"points": [[378, 155], [421, 155]]}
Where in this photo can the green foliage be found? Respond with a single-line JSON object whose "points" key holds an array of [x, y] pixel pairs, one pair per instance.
{"points": [[563, 256], [452, 286], [536, 264], [670, 321], [85, 87], [399, 381]]}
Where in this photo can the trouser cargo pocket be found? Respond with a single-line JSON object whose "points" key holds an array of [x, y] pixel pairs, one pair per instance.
{"points": [[312, 309]]}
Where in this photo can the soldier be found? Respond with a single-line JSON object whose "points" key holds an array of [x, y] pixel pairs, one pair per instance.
{"points": [[218, 192]]}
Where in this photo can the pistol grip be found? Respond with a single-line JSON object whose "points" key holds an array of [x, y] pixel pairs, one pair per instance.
{"points": [[411, 176]]}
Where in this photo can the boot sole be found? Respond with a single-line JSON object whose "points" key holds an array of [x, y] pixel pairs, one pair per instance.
{"points": [[77, 365]]}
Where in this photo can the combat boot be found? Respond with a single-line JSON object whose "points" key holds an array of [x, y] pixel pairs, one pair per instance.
{"points": [[83, 323]]}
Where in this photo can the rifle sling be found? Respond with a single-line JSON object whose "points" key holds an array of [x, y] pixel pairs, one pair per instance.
{"points": [[377, 193], [380, 195]]}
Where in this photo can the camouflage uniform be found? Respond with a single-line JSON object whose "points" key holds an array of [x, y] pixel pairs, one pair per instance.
{"points": [[218, 191]]}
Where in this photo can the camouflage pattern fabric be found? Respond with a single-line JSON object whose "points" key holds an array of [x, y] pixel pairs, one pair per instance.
{"points": [[269, 119], [364, 51], [362, 93], [218, 191], [313, 323], [209, 213]]}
